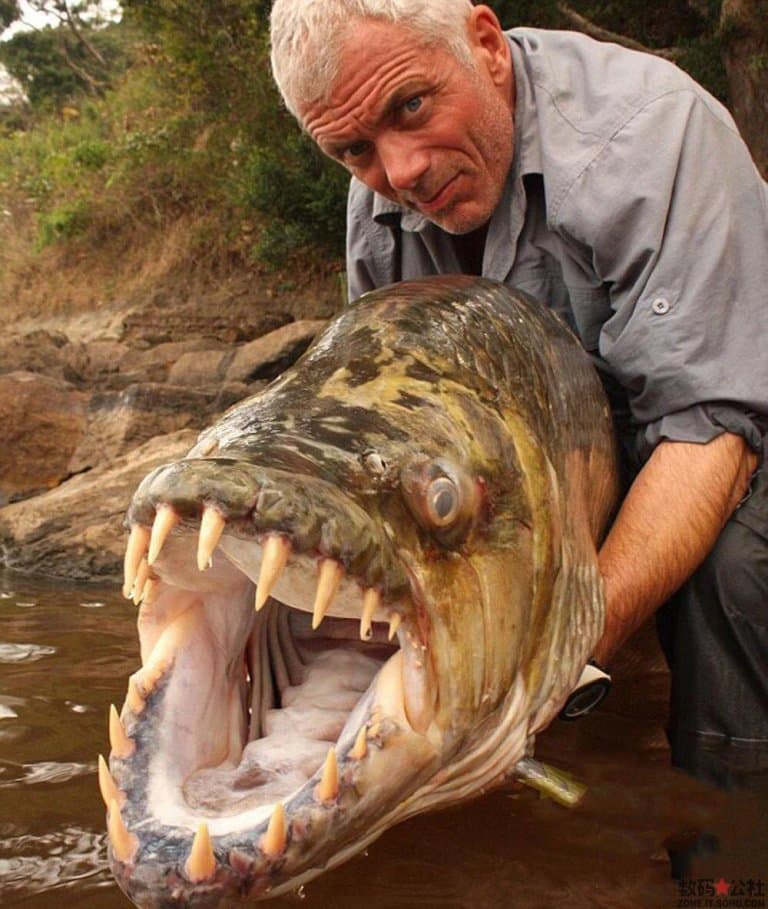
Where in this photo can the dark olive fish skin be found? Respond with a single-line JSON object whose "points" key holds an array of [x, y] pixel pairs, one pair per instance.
{"points": [[444, 453]]}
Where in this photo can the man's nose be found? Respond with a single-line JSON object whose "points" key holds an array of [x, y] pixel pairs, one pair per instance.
{"points": [[404, 163]]}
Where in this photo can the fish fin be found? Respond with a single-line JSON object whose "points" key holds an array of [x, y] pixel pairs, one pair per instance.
{"points": [[550, 782]]}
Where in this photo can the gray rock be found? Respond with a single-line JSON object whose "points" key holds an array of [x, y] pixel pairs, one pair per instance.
{"points": [[42, 422], [76, 530], [154, 363], [49, 353], [201, 369], [120, 421], [268, 356]]}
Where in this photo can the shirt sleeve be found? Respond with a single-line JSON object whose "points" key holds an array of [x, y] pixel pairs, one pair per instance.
{"points": [[371, 253], [675, 217]]}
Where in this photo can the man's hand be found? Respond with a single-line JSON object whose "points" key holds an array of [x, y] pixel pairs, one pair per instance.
{"points": [[670, 519]]}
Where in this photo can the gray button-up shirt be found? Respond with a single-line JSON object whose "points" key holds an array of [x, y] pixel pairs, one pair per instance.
{"points": [[632, 208]]}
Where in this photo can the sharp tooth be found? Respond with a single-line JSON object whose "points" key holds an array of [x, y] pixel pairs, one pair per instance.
{"points": [[124, 844], [395, 620], [360, 748], [273, 841], [371, 602], [133, 698], [328, 580], [109, 791], [201, 864], [419, 694], [165, 520], [142, 576], [122, 746], [153, 672], [138, 540], [273, 559], [211, 528], [328, 787]]}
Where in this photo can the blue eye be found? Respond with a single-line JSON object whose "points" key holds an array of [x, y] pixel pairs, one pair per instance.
{"points": [[413, 104]]}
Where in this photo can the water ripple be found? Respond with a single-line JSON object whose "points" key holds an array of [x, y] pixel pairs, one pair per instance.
{"points": [[34, 864], [24, 653], [46, 772]]}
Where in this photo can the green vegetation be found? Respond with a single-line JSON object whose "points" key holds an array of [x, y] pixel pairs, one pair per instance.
{"points": [[171, 114]]}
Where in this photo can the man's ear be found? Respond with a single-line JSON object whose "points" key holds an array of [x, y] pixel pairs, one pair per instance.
{"points": [[488, 44]]}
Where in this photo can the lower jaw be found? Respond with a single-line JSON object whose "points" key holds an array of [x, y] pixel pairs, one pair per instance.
{"points": [[239, 790]]}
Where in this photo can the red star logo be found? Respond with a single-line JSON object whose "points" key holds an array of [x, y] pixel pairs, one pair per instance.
{"points": [[722, 887]]}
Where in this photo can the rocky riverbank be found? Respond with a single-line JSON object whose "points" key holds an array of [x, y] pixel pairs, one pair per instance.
{"points": [[90, 404]]}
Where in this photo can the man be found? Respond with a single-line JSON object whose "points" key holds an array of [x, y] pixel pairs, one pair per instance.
{"points": [[615, 189]]}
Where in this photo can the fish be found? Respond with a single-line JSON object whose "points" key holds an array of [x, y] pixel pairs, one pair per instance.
{"points": [[362, 594]]}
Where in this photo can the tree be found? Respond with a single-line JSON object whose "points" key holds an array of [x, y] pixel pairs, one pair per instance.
{"points": [[215, 58], [9, 12], [74, 55], [744, 25]]}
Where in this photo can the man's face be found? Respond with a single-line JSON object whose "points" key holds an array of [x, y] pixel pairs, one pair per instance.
{"points": [[418, 126]]}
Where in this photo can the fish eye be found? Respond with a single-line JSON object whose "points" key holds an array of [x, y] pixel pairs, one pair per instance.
{"points": [[442, 501]]}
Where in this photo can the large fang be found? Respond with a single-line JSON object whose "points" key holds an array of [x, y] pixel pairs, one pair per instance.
{"points": [[273, 841], [211, 528], [275, 555], [140, 581], [328, 580], [124, 844], [328, 787], [395, 620], [201, 864], [165, 520], [109, 791], [371, 602], [138, 541], [359, 750], [133, 698], [122, 746]]}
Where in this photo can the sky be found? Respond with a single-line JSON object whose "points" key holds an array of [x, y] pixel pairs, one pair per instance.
{"points": [[34, 18]]}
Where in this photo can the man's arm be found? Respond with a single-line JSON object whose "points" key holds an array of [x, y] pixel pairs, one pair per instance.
{"points": [[667, 524]]}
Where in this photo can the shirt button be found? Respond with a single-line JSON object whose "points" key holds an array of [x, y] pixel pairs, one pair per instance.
{"points": [[661, 306]]}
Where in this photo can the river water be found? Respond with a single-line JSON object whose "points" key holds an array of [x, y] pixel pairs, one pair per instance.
{"points": [[66, 652]]}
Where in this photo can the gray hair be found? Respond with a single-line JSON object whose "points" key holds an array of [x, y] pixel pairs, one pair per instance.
{"points": [[307, 37]]}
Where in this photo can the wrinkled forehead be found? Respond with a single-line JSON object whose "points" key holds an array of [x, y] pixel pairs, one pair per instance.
{"points": [[366, 53]]}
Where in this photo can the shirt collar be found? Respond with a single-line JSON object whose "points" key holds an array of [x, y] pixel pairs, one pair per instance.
{"points": [[386, 212]]}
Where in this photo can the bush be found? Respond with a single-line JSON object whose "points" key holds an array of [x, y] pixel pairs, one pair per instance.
{"points": [[299, 192], [65, 222]]}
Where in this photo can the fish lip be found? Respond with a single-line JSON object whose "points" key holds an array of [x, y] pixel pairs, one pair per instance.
{"points": [[256, 500]]}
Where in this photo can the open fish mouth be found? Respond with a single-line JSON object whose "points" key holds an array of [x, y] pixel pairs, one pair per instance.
{"points": [[362, 593], [282, 652]]}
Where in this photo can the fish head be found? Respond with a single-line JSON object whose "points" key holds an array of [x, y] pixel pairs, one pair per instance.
{"points": [[351, 598]]}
